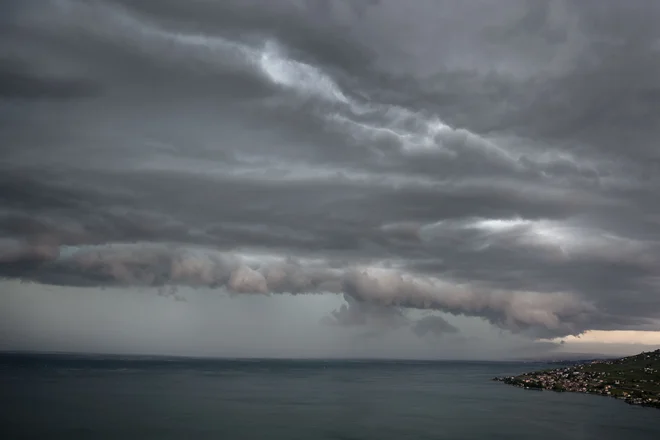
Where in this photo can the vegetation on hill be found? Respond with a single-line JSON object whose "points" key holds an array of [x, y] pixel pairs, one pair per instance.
{"points": [[634, 379]]}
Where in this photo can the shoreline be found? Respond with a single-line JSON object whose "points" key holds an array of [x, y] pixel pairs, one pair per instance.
{"points": [[513, 380], [634, 379]]}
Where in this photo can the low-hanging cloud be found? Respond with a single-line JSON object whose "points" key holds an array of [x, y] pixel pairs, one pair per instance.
{"points": [[435, 325], [158, 266]]}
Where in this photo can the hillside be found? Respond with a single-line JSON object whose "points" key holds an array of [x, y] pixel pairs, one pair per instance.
{"points": [[634, 379]]}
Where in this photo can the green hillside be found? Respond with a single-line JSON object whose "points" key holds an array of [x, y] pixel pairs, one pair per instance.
{"points": [[635, 379]]}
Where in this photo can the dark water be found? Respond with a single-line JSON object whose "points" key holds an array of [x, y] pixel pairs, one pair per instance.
{"points": [[68, 398]]}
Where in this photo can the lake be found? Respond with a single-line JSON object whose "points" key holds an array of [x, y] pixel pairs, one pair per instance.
{"points": [[92, 397]]}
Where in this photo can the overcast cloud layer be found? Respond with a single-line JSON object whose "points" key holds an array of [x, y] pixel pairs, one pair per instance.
{"points": [[490, 159]]}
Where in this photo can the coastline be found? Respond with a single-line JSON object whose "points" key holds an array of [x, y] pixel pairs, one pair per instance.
{"points": [[634, 379]]}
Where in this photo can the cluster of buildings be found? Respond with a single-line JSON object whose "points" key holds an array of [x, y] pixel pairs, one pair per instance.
{"points": [[635, 380]]}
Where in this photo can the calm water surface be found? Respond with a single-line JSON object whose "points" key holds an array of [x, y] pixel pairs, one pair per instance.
{"points": [[89, 398]]}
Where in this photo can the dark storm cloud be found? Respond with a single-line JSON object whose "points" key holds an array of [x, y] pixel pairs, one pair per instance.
{"points": [[381, 319], [356, 313], [433, 324], [18, 81], [486, 159], [136, 265]]}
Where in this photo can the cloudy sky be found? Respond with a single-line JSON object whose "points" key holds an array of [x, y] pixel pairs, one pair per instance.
{"points": [[433, 178]]}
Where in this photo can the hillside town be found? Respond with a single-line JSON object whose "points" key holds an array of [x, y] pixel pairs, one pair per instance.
{"points": [[634, 379]]}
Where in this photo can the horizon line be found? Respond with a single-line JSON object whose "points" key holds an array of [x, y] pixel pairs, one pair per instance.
{"points": [[150, 356]]}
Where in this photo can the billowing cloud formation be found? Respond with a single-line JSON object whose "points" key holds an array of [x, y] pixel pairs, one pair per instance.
{"points": [[435, 325], [488, 159], [359, 313], [138, 265]]}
